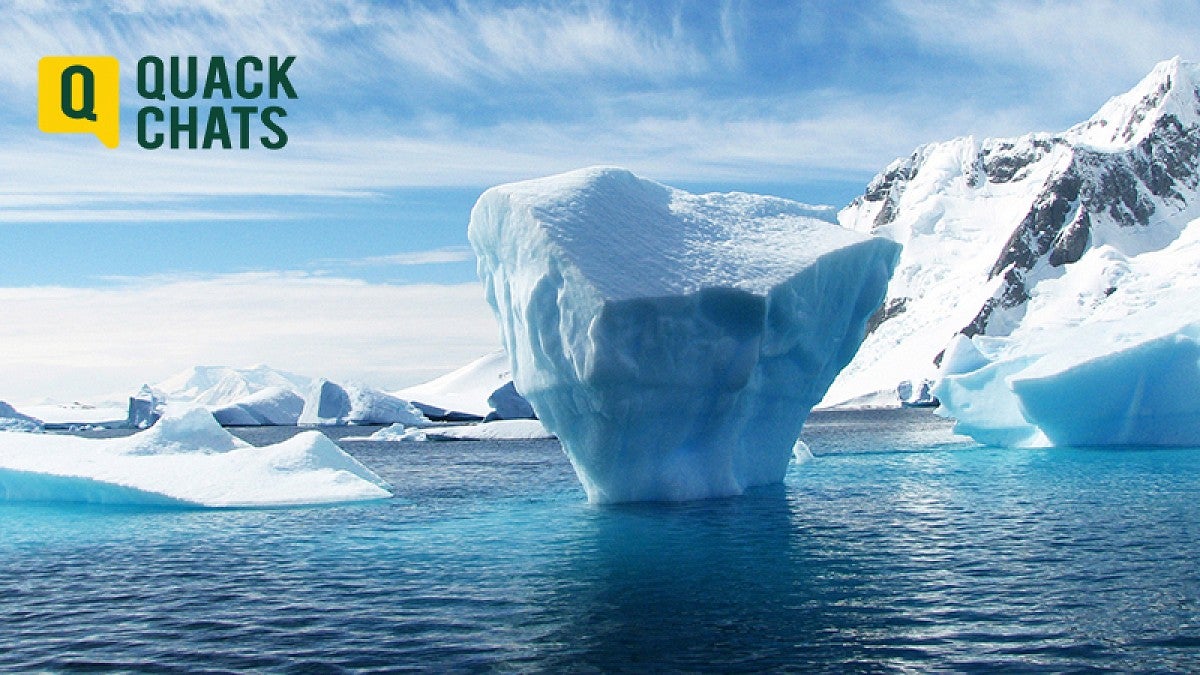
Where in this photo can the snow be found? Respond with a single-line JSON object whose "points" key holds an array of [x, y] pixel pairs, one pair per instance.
{"points": [[273, 406], [673, 342], [499, 430], [332, 404], [11, 420], [186, 459], [63, 414], [959, 206], [1126, 375], [1127, 119], [217, 386], [463, 392]]}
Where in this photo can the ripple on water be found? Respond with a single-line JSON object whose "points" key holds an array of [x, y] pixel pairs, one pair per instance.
{"points": [[900, 547]]}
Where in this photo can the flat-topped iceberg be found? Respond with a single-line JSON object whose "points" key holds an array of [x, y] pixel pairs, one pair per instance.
{"points": [[185, 459], [675, 343]]}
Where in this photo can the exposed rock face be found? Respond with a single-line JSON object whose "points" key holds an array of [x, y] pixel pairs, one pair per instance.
{"points": [[985, 223]]}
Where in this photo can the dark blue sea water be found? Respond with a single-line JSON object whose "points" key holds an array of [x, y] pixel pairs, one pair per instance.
{"points": [[899, 548]]}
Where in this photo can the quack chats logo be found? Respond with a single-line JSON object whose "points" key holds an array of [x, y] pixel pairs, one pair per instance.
{"points": [[226, 105]]}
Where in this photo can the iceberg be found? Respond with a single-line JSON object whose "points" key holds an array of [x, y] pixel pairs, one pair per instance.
{"points": [[273, 406], [145, 407], [186, 459], [332, 404], [674, 343], [478, 390], [11, 420], [1128, 381], [508, 404]]}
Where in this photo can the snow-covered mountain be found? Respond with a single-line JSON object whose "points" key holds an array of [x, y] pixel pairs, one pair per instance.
{"points": [[1003, 235], [221, 385]]}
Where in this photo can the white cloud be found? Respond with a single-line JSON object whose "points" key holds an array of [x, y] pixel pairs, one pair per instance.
{"points": [[80, 343], [437, 256], [1081, 50]]}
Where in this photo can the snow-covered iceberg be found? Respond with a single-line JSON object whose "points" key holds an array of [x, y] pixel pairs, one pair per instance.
{"points": [[184, 459], [332, 404], [481, 389], [273, 406], [1130, 381], [11, 420], [673, 342]]}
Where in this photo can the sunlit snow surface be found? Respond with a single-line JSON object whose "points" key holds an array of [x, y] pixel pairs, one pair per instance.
{"points": [[673, 342], [186, 459]]}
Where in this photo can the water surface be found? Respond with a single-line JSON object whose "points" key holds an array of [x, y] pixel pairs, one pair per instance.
{"points": [[900, 547]]}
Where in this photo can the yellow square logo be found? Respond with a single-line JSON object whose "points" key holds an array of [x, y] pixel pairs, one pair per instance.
{"points": [[80, 95]]}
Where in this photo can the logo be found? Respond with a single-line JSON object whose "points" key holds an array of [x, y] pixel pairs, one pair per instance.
{"points": [[235, 103], [80, 95]]}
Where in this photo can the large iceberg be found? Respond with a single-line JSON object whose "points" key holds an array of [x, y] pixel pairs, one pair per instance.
{"points": [[1132, 381], [673, 342], [185, 459], [332, 404]]}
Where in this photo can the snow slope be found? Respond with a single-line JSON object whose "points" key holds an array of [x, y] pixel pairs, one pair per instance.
{"points": [[185, 459], [987, 226], [221, 385], [479, 389], [673, 342]]}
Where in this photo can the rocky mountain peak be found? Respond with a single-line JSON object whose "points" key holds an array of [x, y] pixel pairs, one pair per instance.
{"points": [[1172, 89]]}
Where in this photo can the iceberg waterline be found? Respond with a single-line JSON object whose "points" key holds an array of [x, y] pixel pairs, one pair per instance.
{"points": [[673, 342], [184, 459]]}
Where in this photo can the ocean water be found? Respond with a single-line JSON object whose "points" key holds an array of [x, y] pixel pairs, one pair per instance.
{"points": [[900, 547]]}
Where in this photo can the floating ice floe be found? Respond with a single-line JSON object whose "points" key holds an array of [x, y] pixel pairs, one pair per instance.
{"points": [[674, 342], [185, 459], [497, 430]]}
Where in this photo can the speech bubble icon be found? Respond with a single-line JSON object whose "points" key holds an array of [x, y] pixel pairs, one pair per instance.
{"points": [[80, 95]]}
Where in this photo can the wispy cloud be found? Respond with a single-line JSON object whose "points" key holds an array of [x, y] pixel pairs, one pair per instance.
{"points": [[84, 342], [151, 215], [1080, 50], [438, 256]]}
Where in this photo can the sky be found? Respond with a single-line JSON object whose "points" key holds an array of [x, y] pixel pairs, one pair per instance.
{"points": [[344, 254]]}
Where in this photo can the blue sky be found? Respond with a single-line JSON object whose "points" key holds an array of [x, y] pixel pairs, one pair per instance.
{"points": [[408, 110]]}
